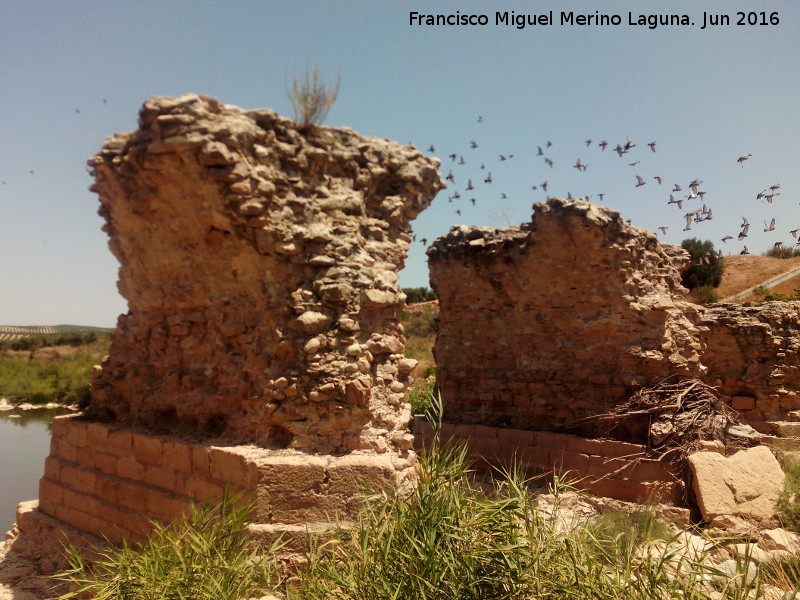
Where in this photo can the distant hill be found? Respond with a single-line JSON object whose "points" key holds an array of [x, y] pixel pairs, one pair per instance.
{"points": [[743, 273], [14, 332]]}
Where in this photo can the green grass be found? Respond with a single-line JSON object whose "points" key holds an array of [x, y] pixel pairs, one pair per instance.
{"points": [[204, 556], [420, 394], [451, 538], [788, 504], [62, 378]]}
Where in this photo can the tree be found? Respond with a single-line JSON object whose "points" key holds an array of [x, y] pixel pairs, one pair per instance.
{"points": [[706, 266]]}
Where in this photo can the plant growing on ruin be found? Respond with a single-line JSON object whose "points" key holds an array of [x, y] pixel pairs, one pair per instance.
{"points": [[312, 99]]}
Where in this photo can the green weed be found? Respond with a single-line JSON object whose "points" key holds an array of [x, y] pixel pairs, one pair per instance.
{"points": [[204, 556]]}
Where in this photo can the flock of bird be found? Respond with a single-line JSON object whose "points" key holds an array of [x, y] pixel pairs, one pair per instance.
{"points": [[685, 196], [678, 195]]}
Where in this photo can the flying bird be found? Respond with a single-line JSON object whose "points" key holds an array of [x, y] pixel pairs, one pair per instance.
{"points": [[549, 162], [588, 143], [677, 188], [469, 185], [744, 251], [473, 144], [659, 179], [480, 119], [663, 229], [539, 151], [634, 163], [743, 158], [603, 144], [640, 181], [488, 178], [652, 146], [431, 149], [770, 227], [726, 238]]}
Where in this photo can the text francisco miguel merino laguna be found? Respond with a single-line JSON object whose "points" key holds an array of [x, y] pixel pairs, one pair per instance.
{"points": [[652, 21]]}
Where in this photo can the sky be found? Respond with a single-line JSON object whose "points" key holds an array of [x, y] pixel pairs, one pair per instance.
{"points": [[74, 72]]}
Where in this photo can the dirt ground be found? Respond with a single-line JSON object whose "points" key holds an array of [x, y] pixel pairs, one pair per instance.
{"points": [[745, 272]]}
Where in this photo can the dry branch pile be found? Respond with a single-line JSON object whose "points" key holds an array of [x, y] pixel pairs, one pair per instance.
{"points": [[672, 418]]}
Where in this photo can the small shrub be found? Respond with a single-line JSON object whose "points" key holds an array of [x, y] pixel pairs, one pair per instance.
{"points": [[705, 294], [706, 266], [203, 556], [419, 294], [782, 251], [421, 395], [311, 99]]}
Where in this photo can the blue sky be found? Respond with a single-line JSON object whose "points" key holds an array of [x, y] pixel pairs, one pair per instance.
{"points": [[705, 97]]}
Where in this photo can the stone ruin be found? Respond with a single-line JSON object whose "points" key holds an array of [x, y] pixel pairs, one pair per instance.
{"points": [[262, 347], [569, 315], [263, 351], [546, 326]]}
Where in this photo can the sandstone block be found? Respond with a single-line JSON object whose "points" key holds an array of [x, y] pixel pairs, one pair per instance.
{"points": [[745, 484], [228, 466], [147, 449], [355, 473], [301, 473], [177, 456], [780, 539]]}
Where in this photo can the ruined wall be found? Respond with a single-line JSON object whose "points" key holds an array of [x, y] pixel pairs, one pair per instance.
{"points": [[566, 316], [260, 267], [262, 349], [558, 319], [752, 354]]}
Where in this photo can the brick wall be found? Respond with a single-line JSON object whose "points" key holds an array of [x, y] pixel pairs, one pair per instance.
{"points": [[603, 467], [111, 482]]}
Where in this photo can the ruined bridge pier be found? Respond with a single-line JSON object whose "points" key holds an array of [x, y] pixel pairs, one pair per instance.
{"points": [[262, 347]]}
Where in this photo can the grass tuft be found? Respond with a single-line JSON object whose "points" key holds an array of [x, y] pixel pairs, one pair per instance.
{"points": [[203, 556]]}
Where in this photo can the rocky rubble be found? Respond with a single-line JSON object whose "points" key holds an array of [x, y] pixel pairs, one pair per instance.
{"points": [[260, 267]]}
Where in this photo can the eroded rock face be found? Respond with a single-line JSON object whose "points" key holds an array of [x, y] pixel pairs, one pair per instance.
{"points": [[753, 356], [260, 268], [559, 319]]}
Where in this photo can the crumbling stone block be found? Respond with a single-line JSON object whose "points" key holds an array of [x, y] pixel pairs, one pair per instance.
{"points": [[260, 267], [558, 319]]}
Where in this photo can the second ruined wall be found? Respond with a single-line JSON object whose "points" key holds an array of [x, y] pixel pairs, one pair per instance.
{"points": [[567, 316], [559, 319]]}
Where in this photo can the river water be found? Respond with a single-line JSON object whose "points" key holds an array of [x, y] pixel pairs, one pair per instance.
{"points": [[24, 444]]}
